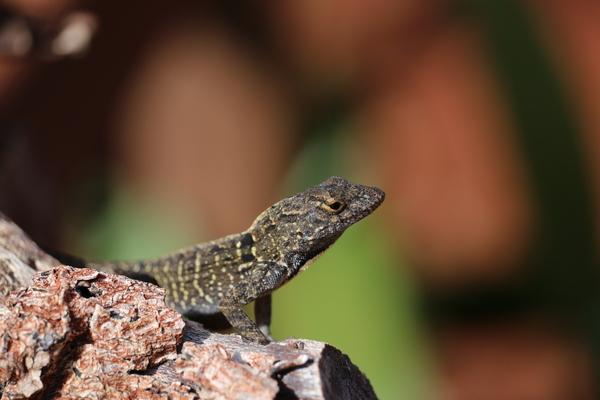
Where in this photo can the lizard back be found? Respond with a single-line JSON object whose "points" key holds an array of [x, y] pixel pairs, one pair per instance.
{"points": [[195, 278]]}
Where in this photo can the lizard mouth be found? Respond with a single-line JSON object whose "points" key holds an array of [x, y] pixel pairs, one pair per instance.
{"points": [[371, 199], [378, 195]]}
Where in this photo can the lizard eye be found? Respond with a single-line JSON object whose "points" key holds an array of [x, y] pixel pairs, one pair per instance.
{"points": [[333, 206]]}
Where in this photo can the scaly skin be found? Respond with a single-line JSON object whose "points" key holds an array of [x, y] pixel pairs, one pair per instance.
{"points": [[225, 274]]}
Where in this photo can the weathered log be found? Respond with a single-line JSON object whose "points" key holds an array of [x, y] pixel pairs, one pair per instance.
{"points": [[69, 333], [20, 257]]}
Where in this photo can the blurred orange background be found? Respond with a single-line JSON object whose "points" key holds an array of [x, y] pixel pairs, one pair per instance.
{"points": [[174, 123]]}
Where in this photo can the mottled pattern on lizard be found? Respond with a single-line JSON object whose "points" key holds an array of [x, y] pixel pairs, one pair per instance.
{"points": [[225, 274]]}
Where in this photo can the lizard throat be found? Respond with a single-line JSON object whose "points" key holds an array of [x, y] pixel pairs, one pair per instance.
{"points": [[311, 260], [311, 257]]}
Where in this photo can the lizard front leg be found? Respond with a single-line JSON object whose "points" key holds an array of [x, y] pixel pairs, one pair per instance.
{"points": [[262, 280], [242, 323]]}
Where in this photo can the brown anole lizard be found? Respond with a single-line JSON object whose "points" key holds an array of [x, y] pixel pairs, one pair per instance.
{"points": [[225, 274]]}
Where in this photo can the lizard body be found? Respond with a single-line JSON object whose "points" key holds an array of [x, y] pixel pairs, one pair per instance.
{"points": [[227, 273]]}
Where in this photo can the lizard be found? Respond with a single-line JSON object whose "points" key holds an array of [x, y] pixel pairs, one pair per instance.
{"points": [[225, 274]]}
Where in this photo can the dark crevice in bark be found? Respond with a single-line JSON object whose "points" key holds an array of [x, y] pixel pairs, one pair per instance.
{"points": [[65, 359], [285, 392]]}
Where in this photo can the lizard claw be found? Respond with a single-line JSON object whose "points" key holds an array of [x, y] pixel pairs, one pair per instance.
{"points": [[266, 331]]}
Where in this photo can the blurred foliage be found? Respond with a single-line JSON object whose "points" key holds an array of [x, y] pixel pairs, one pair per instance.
{"points": [[551, 145], [563, 267], [129, 227]]}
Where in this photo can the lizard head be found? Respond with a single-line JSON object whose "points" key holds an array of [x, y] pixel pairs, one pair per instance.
{"points": [[300, 227]]}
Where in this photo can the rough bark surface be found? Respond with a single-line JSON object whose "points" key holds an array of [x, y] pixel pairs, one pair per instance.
{"points": [[20, 258], [68, 333]]}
